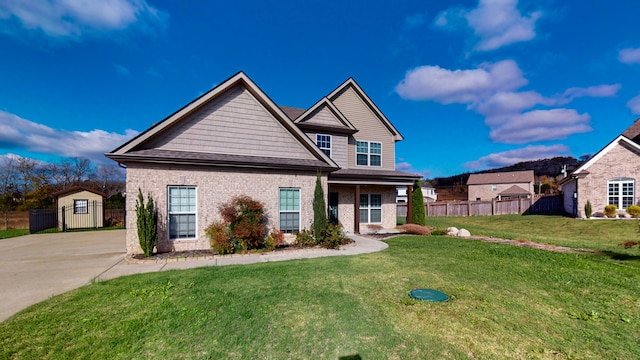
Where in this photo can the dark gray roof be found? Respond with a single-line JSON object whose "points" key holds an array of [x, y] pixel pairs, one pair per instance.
{"points": [[292, 112], [197, 158], [633, 132], [501, 177], [374, 174]]}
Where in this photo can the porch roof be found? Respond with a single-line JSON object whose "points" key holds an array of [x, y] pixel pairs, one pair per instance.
{"points": [[372, 177]]}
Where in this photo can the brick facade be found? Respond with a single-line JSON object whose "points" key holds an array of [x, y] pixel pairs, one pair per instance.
{"points": [[346, 201], [213, 188], [621, 161]]}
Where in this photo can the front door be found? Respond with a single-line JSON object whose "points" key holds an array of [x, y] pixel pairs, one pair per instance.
{"points": [[333, 207]]}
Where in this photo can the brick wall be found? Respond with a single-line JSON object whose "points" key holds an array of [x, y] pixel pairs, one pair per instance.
{"points": [[485, 192], [620, 161], [212, 189]]}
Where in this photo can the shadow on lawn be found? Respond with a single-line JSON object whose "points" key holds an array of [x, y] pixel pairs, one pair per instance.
{"points": [[620, 256], [350, 357]]}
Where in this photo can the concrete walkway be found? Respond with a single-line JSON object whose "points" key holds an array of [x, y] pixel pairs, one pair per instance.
{"points": [[36, 267]]}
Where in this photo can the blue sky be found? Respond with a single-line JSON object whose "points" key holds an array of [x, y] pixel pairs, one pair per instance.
{"points": [[470, 84]]}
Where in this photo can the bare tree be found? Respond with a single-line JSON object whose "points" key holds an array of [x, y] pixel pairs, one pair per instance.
{"points": [[8, 177], [110, 179]]}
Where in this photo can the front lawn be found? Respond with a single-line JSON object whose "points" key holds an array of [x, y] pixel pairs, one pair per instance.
{"points": [[506, 302], [597, 234]]}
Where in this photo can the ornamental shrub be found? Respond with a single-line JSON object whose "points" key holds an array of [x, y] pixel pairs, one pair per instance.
{"points": [[610, 211], [220, 238], [305, 238], [417, 205], [332, 237], [588, 211], [319, 211], [274, 239], [634, 211], [246, 221], [147, 221]]}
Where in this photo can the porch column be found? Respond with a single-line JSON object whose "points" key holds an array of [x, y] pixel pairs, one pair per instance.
{"points": [[356, 211], [409, 204]]}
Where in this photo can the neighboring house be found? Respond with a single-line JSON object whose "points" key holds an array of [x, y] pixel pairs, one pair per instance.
{"points": [[608, 178], [234, 140], [428, 194], [500, 185], [79, 208]]}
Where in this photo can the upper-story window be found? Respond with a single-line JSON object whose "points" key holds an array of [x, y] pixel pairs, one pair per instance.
{"points": [[368, 153], [324, 143]]}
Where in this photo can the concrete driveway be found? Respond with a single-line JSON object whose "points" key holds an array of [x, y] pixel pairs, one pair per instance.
{"points": [[36, 267]]}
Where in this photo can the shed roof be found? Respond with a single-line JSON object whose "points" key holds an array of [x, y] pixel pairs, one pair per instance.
{"points": [[524, 176], [76, 189]]}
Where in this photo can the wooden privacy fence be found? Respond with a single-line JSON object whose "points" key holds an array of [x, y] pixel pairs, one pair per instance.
{"points": [[538, 205]]}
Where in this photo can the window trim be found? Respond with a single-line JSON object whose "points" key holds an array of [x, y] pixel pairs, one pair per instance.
{"points": [[169, 212], [299, 211], [368, 153], [619, 183], [369, 207], [76, 207], [330, 148]]}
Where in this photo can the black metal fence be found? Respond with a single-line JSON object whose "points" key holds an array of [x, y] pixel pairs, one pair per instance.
{"points": [[66, 218]]}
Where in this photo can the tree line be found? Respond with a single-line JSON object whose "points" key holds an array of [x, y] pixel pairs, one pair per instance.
{"points": [[29, 184]]}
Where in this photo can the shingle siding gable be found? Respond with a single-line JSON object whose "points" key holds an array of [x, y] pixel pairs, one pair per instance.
{"points": [[369, 126], [235, 123]]}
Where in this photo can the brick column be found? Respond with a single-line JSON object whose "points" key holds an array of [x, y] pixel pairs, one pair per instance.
{"points": [[356, 209]]}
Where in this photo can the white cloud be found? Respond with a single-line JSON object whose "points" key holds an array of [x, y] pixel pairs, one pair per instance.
{"points": [[629, 56], [634, 105], [492, 91], [460, 86], [541, 125], [592, 91], [19, 133], [75, 18], [511, 157], [495, 23], [407, 167]]}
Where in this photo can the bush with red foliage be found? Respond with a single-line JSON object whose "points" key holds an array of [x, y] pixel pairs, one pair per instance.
{"points": [[246, 221], [415, 229]]}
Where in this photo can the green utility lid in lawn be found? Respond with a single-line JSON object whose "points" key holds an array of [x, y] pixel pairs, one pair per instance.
{"points": [[428, 294]]}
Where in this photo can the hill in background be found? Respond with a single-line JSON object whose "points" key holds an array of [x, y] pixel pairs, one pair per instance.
{"points": [[454, 187]]}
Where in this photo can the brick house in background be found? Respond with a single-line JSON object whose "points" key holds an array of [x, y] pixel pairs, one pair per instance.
{"points": [[608, 178], [234, 140], [500, 185]]}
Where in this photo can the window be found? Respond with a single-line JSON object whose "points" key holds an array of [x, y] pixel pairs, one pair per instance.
{"points": [[324, 143], [494, 187], [182, 212], [370, 208], [289, 210], [368, 153], [621, 192], [80, 206]]}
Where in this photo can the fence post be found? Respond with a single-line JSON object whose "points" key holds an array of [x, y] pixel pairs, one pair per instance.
{"points": [[95, 215], [64, 223]]}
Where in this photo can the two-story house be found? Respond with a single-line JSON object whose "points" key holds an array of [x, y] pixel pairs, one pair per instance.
{"points": [[234, 140], [500, 185]]}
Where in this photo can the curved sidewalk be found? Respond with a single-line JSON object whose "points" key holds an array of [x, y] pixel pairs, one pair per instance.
{"points": [[362, 245], [36, 267]]}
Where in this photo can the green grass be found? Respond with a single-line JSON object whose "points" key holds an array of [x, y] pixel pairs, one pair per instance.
{"points": [[557, 230], [506, 302], [5, 234]]}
